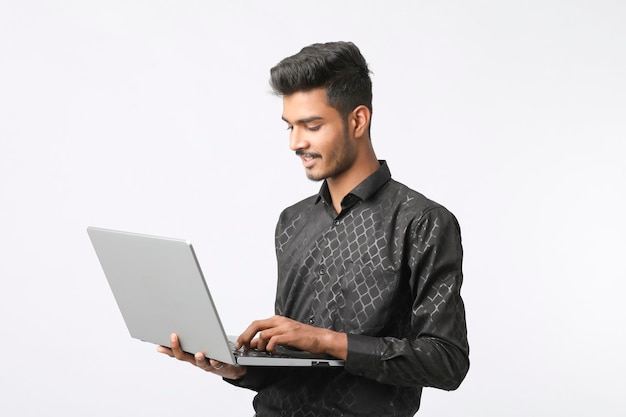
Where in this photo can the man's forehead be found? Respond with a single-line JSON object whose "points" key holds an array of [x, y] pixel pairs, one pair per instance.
{"points": [[306, 106]]}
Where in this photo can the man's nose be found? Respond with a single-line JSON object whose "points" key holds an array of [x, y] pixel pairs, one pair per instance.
{"points": [[297, 139]]}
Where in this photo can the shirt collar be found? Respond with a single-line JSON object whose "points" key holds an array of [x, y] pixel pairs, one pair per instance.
{"points": [[367, 188]]}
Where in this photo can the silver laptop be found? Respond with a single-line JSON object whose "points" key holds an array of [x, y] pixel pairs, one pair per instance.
{"points": [[159, 288]]}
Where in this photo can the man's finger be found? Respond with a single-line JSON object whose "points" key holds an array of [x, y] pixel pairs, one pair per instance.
{"points": [[165, 350], [248, 334], [174, 343], [256, 327], [202, 362], [216, 365]]}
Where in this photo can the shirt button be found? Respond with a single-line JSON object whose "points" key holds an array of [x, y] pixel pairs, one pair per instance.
{"points": [[322, 271], [283, 412], [337, 222], [311, 320]]}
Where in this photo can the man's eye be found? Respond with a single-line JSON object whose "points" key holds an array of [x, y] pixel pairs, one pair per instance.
{"points": [[289, 127], [313, 128]]}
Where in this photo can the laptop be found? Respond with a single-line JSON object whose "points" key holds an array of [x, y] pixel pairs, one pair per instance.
{"points": [[160, 289]]}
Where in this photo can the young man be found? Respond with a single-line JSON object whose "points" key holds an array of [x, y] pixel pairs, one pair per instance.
{"points": [[369, 270]]}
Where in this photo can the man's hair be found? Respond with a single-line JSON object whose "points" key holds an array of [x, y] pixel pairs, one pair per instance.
{"points": [[338, 67]]}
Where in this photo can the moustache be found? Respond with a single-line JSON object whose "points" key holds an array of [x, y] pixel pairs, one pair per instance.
{"points": [[308, 154]]}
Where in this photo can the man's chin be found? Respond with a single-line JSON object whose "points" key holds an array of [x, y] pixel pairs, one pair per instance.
{"points": [[314, 176]]}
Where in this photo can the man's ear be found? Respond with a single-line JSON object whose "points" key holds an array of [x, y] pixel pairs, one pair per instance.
{"points": [[360, 120]]}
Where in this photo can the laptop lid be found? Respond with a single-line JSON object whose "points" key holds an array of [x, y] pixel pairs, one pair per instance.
{"points": [[159, 288]]}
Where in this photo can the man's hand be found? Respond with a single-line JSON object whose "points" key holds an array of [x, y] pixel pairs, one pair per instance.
{"points": [[279, 330], [210, 365]]}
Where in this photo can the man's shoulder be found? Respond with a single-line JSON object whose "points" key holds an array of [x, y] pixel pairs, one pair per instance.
{"points": [[410, 200], [408, 196], [301, 206]]}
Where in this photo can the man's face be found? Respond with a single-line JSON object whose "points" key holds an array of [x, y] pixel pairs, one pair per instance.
{"points": [[318, 135]]}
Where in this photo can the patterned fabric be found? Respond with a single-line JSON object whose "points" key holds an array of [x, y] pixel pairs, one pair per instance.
{"points": [[387, 271]]}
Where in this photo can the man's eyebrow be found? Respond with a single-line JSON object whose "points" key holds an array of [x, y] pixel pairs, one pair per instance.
{"points": [[305, 120]]}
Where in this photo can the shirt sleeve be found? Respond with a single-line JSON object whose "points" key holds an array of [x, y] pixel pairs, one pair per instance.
{"points": [[255, 378], [436, 353]]}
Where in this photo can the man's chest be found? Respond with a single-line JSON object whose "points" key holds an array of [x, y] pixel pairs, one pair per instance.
{"points": [[343, 273]]}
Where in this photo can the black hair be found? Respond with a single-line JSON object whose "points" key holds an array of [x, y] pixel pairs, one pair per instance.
{"points": [[338, 67]]}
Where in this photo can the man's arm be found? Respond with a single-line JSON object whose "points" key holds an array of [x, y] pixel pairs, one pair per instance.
{"points": [[436, 352]]}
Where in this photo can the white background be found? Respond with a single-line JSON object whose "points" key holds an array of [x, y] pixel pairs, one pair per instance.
{"points": [[156, 117]]}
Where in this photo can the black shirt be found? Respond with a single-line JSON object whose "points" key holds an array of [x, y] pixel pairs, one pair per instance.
{"points": [[386, 271]]}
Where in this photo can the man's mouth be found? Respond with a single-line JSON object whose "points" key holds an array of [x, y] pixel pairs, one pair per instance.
{"points": [[307, 157]]}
